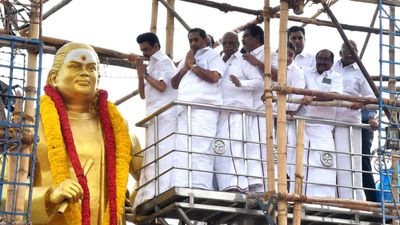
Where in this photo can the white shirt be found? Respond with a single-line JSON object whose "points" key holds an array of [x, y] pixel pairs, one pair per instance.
{"points": [[328, 81], [257, 103], [354, 83], [305, 60], [294, 78], [160, 68], [194, 89], [250, 80]]}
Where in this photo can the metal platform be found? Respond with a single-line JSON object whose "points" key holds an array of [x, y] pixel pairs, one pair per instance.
{"points": [[215, 207]]}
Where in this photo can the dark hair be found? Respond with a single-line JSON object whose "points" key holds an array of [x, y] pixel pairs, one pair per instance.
{"points": [[291, 46], [293, 29], [148, 37], [331, 55], [202, 33], [212, 40], [256, 31]]}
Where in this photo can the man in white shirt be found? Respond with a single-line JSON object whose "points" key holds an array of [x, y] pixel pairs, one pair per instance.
{"points": [[297, 35], [238, 82], [253, 43], [354, 83], [320, 174], [155, 87], [197, 81]]}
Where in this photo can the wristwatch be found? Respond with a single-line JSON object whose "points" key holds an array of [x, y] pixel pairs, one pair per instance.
{"points": [[146, 75], [193, 66]]}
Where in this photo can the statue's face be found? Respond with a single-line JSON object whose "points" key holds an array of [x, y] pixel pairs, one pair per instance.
{"points": [[78, 76]]}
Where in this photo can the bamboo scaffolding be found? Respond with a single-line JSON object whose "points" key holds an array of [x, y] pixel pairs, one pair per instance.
{"points": [[154, 16], [392, 87], [319, 13], [330, 24], [175, 14], [55, 8], [281, 119], [309, 92], [336, 103], [353, 53], [335, 202], [298, 188], [224, 7], [169, 34], [22, 166], [268, 103], [369, 33]]}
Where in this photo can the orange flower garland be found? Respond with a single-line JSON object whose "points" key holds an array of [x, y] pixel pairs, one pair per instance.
{"points": [[117, 147]]}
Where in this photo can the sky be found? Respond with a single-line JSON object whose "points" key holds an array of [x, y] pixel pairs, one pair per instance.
{"points": [[116, 24]]}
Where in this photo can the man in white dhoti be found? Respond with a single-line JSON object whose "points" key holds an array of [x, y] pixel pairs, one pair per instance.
{"points": [[155, 86], [253, 43], [320, 157], [297, 35], [348, 141], [197, 81], [238, 82]]}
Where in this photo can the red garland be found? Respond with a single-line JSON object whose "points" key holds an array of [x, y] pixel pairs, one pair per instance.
{"points": [[110, 155], [73, 155]]}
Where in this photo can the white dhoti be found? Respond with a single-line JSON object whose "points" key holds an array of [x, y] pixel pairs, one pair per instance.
{"points": [[257, 167], [320, 174], [291, 136], [160, 148], [203, 123], [349, 165], [230, 128]]}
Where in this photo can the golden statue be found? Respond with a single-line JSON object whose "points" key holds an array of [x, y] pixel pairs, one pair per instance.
{"points": [[78, 125]]}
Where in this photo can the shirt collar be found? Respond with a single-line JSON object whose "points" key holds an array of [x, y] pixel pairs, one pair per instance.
{"points": [[257, 50], [202, 51], [353, 65], [157, 55]]}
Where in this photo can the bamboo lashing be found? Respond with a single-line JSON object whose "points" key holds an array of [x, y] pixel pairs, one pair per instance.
{"points": [[86, 167], [281, 119], [268, 104], [318, 13], [298, 183]]}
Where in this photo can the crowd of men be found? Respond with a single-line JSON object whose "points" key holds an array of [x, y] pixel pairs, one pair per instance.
{"points": [[234, 78]]}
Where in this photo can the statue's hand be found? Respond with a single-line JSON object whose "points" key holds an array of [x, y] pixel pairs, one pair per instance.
{"points": [[68, 189], [129, 212]]}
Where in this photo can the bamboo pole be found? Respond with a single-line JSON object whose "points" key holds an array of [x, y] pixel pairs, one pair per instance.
{"points": [[224, 7], [169, 35], [154, 15], [392, 87], [126, 97], [336, 103], [19, 166], [369, 33], [309, 92], [335, 202], [330, 24], [269, 123], [298, 188], [353, 53], [281, 119]]}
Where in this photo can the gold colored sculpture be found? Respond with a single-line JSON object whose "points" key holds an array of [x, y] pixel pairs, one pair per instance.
{"points": [[78, 125]]}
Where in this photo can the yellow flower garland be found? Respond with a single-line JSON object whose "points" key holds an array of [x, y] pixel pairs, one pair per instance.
{"points": [[59, 162]]}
